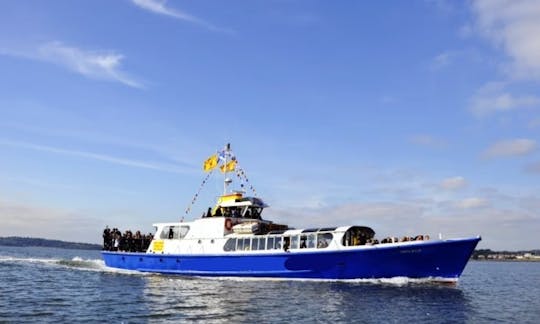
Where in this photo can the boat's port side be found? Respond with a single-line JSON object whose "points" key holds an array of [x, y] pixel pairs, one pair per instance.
{"points": [[437, 259]]}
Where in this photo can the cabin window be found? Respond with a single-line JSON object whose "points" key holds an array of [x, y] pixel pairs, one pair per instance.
{"points": [[262, 241], [277, 243], [254, 244], [274, 243], [311, 241], [294, 242], [240, 245], [303, 241], [174, 232], [183, 232], [270, 243], [357, 235], [246, 244], [258, 243], [323, 240], [230, 245]]}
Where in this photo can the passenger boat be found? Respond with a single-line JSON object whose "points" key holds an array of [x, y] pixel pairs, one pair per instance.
{"points": [[232, 239]]}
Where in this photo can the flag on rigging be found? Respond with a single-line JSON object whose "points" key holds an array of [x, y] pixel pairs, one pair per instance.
{"points": [[229, 167], [210, 163]]}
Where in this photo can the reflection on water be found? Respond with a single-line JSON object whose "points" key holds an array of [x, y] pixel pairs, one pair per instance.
{"points": [[246, 300]]}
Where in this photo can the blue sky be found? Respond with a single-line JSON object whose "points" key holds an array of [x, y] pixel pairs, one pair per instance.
{"points": [[410, 117]]}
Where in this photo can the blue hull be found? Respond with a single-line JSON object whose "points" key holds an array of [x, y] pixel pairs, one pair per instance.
{"points": [[430, 259]]}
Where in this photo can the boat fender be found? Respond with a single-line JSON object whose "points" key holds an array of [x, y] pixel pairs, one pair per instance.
{"points": [[228, 224]]}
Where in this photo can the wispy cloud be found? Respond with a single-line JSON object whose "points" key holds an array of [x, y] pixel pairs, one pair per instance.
{"points": [[493, 98], [470, 203], [99, 157], [160, 7], [448, 57], [453, 183], [100, 65], [509, 148], [441, 60], [513, 26]]}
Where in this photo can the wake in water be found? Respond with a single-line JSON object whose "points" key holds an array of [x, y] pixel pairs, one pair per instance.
{"points": [[77, 263], [84, 264], [98, 265], [395, 281]]}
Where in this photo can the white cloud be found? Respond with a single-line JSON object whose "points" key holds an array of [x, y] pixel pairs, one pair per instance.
{"points": [[470, 203], [449, 57], [100, 65], [99, 157], [159, 7], [502, 102], [487, 102], [508, 148], [453, 183], [441, 60], [514, 26]]}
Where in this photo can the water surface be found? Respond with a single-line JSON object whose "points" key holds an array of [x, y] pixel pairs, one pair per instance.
{"points": [[51, 285]]}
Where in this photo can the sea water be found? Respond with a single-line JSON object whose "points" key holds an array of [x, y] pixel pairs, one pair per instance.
{"points": [[58, 285]]}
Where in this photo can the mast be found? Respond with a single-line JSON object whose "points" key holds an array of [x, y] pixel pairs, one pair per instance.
{"points": [[227, 181]]}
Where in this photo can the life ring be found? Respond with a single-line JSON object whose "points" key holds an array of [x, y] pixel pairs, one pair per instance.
{"points": [[228, 224]]}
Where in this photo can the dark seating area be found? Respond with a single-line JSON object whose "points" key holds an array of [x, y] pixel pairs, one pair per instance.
{"points": [[114, 240]]}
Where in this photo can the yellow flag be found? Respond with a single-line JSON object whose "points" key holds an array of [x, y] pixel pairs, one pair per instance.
{"points": [[210, 163], [229, 167]]}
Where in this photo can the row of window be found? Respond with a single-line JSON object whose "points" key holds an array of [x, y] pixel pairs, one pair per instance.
{"points": [[302, 241]]}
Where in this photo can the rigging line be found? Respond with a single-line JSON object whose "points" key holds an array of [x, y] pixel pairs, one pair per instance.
{"points": [[242, 175], [188, 209]]}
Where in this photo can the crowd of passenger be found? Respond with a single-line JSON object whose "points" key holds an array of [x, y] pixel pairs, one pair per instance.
{"points": [[374, 241], [115, 240]]}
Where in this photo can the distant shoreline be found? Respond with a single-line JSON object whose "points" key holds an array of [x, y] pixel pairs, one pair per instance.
{"points": [[41, 242], [518, 256]]}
